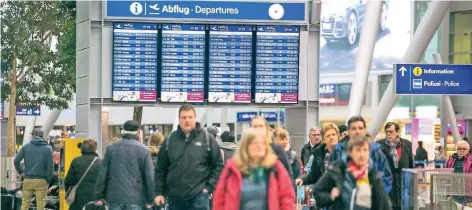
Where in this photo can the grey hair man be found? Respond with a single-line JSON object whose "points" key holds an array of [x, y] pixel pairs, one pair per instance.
{"points": [[314, 136]]}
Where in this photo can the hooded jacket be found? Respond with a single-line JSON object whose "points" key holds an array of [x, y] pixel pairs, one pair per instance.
{"points": [[228, 150], [280, 193], [335, 176], [187, 165], [380, 161], [38, 162]]}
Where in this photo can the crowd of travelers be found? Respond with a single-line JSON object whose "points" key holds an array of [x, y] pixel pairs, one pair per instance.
{"points": [[338, 168]]}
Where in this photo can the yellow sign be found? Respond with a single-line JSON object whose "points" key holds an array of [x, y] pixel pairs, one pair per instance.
{"points": [[417, 71]]}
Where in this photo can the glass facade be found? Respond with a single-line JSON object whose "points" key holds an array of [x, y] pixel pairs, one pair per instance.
{"points": [[460, 37]]}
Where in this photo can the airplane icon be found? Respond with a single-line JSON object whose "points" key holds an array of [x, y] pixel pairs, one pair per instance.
{"points": [[261, 29], [214, 28], [156, 8], [166, 27], [118, 26]]}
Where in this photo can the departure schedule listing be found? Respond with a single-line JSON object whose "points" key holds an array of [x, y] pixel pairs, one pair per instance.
{"points": [[135, 62], [183, 62], [277, 64], [230, 64]]}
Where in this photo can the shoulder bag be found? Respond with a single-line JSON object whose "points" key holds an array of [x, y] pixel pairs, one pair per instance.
{"points": [[70, 196]]}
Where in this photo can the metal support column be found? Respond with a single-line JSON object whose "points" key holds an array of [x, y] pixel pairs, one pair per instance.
{"points": [[53, 116], [447, 110], [423, 35], [364, 56], [223, 121], [28, 129]]}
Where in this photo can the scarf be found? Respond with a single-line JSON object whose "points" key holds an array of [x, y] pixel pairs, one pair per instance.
{"points": [[363, 189], [393, 150], [358, 172], [256, 175]]}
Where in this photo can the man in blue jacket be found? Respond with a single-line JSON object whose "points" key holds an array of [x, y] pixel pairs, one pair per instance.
{"points": [[357, 127], [37, 156]]}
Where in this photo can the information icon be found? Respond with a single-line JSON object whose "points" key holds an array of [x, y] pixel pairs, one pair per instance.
{"points": [[276, 11]]}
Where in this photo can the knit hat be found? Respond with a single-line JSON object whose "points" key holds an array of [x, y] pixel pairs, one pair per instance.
{"points": [[131, 125], [227, 137]]}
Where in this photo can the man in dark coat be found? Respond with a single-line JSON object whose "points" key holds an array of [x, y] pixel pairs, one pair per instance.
{"points": [[228, 145], [126, 179], [77, 169], [189, 165], [399, 155], [314, 141]]}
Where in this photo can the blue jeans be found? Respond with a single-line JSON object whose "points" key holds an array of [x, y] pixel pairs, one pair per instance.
{"points": [[201, 202], [113, 206]]}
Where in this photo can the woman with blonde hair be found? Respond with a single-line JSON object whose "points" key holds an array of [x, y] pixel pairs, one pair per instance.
{"points": [[254, 178], [260, 124]]}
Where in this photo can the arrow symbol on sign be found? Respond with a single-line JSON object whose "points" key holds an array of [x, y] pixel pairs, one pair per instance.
{"points": [[403, 69], [36, 111]]}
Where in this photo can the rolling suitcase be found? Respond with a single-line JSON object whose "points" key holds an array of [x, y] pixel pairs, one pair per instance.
{"points": [[8, 202]]}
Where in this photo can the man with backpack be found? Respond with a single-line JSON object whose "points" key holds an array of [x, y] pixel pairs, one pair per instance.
{"points": [[189, 165]]}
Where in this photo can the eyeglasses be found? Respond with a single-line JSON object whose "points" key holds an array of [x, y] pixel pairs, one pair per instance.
{"points": [[462, 149], [389, 132]]}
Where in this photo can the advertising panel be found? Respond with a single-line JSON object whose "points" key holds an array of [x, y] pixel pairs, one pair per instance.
{"points": [[341, 25], [335, 94]]}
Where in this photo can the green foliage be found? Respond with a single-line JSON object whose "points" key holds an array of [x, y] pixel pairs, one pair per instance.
{"points": [[28, 30]]}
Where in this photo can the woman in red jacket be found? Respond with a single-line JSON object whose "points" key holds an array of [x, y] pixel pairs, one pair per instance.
{"points": [[254, 178]]}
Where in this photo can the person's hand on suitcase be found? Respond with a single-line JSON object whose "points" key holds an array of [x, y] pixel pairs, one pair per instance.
{"points": [[160, 200], [99, 203], [299, 182]]}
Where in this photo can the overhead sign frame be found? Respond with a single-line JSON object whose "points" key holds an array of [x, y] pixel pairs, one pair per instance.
{"points": [[443, 76], [263, 21]]}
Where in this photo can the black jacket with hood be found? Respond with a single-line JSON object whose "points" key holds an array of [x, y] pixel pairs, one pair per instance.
{"points": [[229, 148], [335, 176], [187, 165], [38, 162]]}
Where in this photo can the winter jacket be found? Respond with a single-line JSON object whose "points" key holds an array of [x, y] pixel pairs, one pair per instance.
{"points": [[317, 166], [77, 169], [406, 161], [335, 176], [307, 150], [227, 195], [467, 163], [283, 157], [376, 154], [228, 150], [126, 174], [38, 160], [186, 166], [421, 154], [295, 164]]}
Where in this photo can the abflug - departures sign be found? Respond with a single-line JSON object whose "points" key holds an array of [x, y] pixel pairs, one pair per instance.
{"points": [[208, 10]]}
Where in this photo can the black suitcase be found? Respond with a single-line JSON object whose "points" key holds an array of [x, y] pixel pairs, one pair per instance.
{"points": [[8, 202]]}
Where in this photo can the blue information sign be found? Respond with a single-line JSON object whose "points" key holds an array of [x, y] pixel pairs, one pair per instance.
{"points": [[277, 64], [230, 64], [269, 116], [134, 62], [28, 110], [183, 63], [292, 12], [432, 79]]}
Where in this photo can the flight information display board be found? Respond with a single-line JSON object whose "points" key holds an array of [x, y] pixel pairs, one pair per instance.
{"points": [[183, 63], [230, 64], [134, 62], [277, 64]]}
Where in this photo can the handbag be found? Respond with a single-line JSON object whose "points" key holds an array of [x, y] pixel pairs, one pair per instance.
{"points": [[70, 196]]}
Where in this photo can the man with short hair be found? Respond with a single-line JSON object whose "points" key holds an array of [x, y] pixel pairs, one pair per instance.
{"points": [[399, 154], [356, 126], [314, 135], [126, 179], [38, 168], [189, 165]]}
